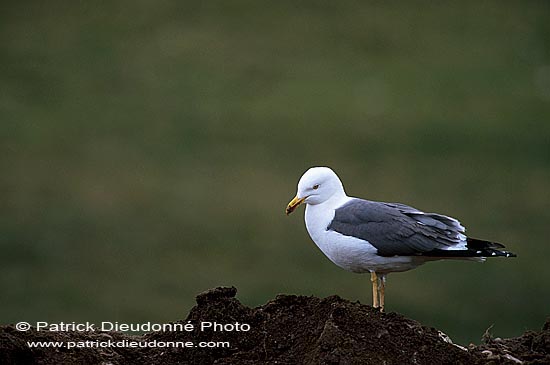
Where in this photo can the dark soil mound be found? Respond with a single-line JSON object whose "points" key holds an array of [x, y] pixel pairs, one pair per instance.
{"points": [[287, 330], [530, 348]]}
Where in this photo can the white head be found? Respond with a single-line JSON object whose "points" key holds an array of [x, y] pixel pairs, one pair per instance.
{"points": [[316, 186]]}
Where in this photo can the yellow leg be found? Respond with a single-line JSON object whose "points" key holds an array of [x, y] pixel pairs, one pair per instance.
{"points": [[374, 281], [382, 290]]}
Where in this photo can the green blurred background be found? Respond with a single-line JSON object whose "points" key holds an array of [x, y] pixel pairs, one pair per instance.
{"points": [[149, 148]]}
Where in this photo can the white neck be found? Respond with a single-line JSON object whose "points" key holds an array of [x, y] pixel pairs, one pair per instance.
{"points": [[318, 216]]}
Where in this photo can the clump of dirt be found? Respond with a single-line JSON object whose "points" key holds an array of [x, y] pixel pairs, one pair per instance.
{"points": [[287, 330], [530, 348]]}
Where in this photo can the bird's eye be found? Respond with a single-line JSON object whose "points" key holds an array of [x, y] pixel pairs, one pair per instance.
{"points": [[315, 187]]}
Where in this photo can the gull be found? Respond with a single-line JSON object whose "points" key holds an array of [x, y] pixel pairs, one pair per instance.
{"points": [[380, 238]]}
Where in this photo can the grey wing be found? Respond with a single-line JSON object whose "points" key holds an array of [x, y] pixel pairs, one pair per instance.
{"points": [[397, 229]]}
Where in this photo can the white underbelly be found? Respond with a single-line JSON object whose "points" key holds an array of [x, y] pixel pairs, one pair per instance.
{"points": [[359, 256]]}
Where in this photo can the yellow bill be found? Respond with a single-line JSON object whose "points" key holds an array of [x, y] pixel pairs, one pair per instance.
{"points": [[294, 204]]}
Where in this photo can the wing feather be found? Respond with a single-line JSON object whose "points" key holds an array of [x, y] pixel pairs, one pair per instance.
{"points": [[397, 229]]}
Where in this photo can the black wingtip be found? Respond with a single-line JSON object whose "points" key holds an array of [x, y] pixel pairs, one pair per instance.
{"points": [[477, 244], [468, 253], [474, 248], [487, 248]]}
